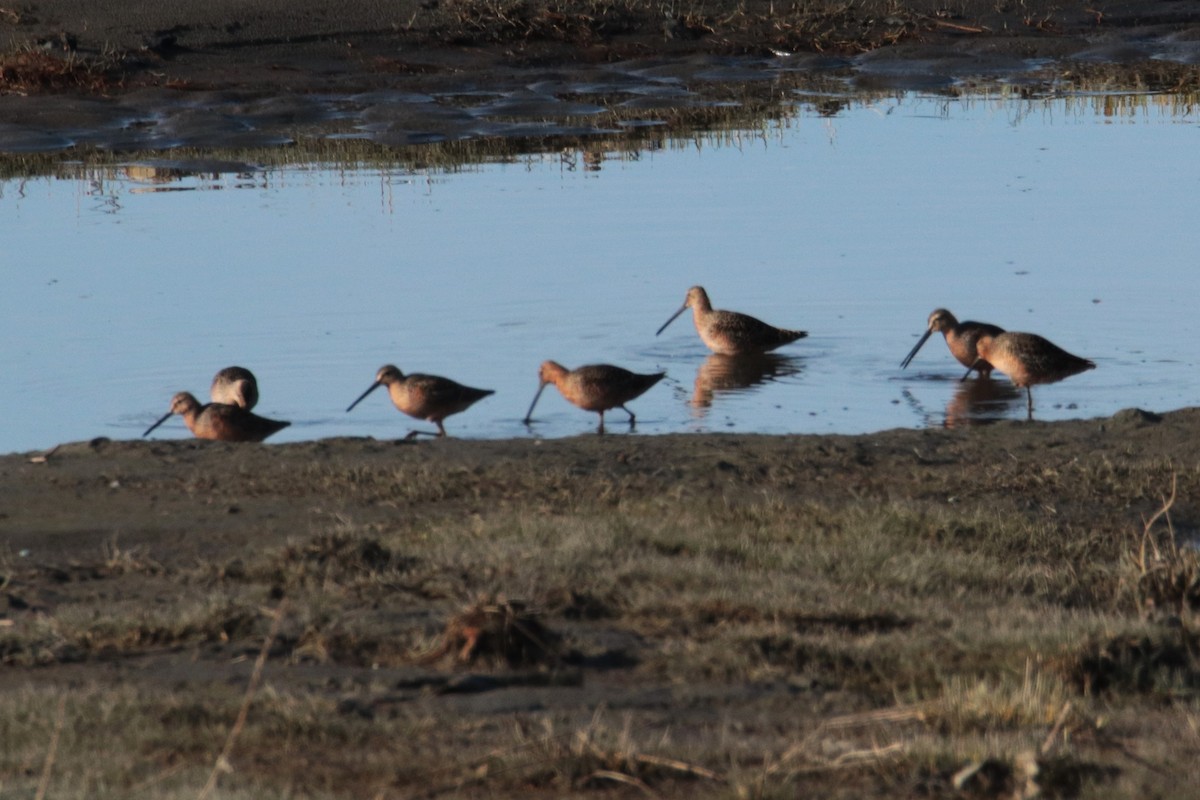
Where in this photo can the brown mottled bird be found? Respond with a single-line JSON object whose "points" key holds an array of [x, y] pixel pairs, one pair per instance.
{"points": [[960, 338], [235, 386], [595, 387], [219, 421], [428, 397], [1028, 359], [730, 332]]}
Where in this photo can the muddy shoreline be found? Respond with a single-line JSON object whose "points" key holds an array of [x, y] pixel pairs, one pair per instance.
{"points": [[225, 86], [77, 495], [150, 570], [308, 46]]}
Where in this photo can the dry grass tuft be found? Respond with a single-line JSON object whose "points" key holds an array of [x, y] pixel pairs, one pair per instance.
{"points": [[990, 705], [594, 756], [1158, 663], [498, 631], [1166, 575], [33, 71], [335, 557]]}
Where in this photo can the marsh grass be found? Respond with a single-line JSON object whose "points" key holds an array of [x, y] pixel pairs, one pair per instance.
{"points": [[762, 641], [733, 114]]}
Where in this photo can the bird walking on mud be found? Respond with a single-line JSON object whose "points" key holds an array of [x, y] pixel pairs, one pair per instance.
{"points": [[960, 338], [730, 332], [1028, 359], [595, 387], [235, 386], [219, 421], [428, 397]]}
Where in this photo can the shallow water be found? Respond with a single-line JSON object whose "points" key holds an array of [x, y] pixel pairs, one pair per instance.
{"points": [[1070, 217]]}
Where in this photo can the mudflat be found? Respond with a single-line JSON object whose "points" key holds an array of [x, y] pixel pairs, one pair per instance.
{"points": [[977, 612], [443, 81], [308, 45]]}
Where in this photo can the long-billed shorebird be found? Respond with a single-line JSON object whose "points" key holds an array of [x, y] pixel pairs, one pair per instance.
{"points": [[235, 386], [595, 387], [730, 332], [960, 338], [220, 421], [1028, 359], [428, 397]]}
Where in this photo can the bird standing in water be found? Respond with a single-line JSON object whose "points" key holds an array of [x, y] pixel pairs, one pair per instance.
{"points": [[219, 421], [595, 387], [960, 338], [730, 332], [1028, 359], [428, 397]]}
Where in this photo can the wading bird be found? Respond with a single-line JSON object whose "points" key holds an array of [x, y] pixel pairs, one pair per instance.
{"points": [[596, 387], [220, 421], [1028, 359], [235, 386], [960, 338], [730, 332], [428, 397]]}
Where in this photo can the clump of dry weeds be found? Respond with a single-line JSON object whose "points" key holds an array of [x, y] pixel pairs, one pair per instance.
{"points": [[496, 630], [30, 71], [1164, 573]]}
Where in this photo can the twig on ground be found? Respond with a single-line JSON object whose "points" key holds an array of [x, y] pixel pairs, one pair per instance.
{"points": [[222, 763], [1056, 728], [60, 717]]}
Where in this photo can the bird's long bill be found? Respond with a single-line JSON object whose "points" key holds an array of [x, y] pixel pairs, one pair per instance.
{"points": [[917, 347], [373, 387], [682, 309], [529, 413], [163, 419], [970, 369]]}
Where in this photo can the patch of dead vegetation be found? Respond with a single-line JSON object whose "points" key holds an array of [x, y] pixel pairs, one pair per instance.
{"points": [[338, 557], [496, 631], [1164, 571], [30, 71], [578, 23], [1160, 664], [820, 27]]}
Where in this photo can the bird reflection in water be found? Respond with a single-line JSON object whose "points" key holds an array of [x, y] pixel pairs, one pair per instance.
{"points": [[980, 401], [722, 373]]}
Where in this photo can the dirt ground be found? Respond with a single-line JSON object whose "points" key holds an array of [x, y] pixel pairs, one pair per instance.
{"points": [[154, 568], [310, 45], [154, 496]]}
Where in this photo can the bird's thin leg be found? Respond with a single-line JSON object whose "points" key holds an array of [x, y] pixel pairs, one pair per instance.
{"points": [[1029, 401], [632, 418]]}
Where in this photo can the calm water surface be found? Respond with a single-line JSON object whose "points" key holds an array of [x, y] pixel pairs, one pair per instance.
{"points": [[1072, 217]]}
